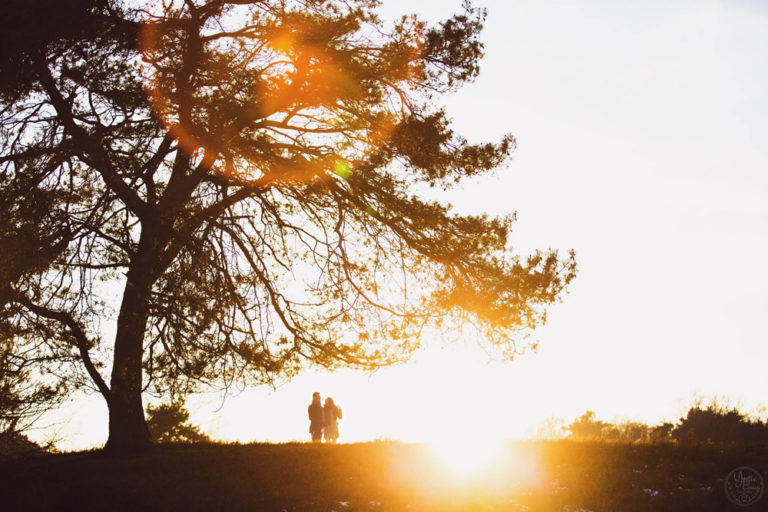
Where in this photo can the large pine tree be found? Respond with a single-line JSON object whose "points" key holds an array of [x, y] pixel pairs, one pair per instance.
{"points": [[231, 188]]}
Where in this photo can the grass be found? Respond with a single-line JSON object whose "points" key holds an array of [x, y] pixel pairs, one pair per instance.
{"points": [[382, 476]]}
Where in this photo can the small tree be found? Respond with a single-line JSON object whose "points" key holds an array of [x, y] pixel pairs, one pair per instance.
{"points": [[249, 176], [168, 423], [587, 426]]}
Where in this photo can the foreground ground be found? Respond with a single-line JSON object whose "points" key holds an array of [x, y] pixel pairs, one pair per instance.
{"points": [[383, 476]]}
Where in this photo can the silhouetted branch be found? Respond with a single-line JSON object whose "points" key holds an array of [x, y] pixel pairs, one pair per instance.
{"points": [[80, 338]]}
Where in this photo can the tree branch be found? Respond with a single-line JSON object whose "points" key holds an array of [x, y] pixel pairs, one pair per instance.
{"points": [[80, 338], [91, 148]]}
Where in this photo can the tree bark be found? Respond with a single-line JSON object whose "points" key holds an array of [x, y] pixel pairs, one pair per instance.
{"points": [[128, 432]]}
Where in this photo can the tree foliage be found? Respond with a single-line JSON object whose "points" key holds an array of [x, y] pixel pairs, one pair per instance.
{"points": [[23, 399], [235, 187]]}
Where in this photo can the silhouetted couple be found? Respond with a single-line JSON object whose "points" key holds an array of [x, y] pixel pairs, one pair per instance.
{"points": [[323, 419]]}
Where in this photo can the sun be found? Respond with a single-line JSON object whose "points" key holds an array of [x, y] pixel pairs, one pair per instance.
{"points": [[467, 457]]}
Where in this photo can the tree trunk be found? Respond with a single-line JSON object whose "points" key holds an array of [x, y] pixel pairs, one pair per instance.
{"points": [[128, 431]]}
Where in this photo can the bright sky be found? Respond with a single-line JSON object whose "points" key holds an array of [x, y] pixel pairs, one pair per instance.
{"points": [[642, 130]]}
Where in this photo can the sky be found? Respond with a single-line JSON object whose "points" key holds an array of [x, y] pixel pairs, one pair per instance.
{"points": [[641, 130]]}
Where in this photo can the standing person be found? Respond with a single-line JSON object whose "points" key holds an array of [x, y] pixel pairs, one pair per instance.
{"points": [[315, 411], [331, 415]]}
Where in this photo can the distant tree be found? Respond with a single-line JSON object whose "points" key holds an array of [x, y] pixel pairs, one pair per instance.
{"points": [[239, 186], [169, 423], [587, 426], [661, 433], [632, 431], [552, 428]]}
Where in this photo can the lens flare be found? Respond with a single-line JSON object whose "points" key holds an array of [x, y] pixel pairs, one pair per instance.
{"points": [[301, 86], [342, 169]]}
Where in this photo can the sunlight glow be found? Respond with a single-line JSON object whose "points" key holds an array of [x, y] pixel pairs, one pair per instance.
{"points": [[467, 457]]}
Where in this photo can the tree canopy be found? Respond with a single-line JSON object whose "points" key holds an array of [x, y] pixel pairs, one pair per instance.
{"points": [[218, 191]]}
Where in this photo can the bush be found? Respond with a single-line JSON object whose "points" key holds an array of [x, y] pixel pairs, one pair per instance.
{"points": [[15, 444], [720, 425], [168, 423], [716, 423]]}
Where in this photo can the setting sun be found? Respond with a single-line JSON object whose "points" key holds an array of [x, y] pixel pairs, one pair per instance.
{"points": [[464, 457]]}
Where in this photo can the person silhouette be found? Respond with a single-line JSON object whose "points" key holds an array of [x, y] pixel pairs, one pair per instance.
{"points": [[331, 417], [315, 412]]}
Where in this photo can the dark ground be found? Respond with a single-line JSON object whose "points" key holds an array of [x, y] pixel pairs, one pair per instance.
{"points": [[382, 476]]}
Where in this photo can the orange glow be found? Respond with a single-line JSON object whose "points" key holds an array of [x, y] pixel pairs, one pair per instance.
{"points": [[148, 36], [283, 43], [467, 457], [325, 79]]}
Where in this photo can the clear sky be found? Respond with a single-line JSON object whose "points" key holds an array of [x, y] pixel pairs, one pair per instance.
{"points": [[643, 145]]}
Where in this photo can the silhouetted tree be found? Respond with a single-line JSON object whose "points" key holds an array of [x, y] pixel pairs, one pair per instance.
{"points": [[238, 186], [662, 433], [587, 426], [631, 431], [169, 423], [719, 424]]}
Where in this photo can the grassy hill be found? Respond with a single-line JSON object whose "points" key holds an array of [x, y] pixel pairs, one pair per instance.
{"points": [[382, 476]]}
